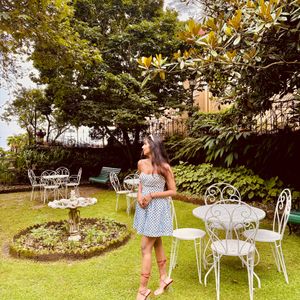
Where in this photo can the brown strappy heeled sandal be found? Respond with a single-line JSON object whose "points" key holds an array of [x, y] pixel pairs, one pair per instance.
{"points": [[146, 292], [164, 283]]}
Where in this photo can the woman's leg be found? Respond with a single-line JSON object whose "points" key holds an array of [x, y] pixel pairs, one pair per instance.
{"points": [[160, 258], [146, 248], [162, 267]]}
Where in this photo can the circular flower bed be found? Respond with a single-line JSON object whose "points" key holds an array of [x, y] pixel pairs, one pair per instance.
{"points": [[49, 241]]}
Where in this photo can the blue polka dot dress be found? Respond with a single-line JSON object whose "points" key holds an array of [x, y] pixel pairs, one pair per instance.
{"points": [[154, 220]]}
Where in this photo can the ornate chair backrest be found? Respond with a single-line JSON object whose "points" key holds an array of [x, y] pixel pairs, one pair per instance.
{"points": [[282, 211], [62, 171], [221, 191], [173, 214], [49, 181], [114, 181], [32, 178], [130, 186], [224, 222], [79, 174]]}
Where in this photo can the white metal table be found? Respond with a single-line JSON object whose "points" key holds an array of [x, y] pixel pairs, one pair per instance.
{"points": [[56, 180], [201, 212], [57, 176]]}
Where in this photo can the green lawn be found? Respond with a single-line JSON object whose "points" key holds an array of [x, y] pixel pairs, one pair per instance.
{"points": [[115, 275]]}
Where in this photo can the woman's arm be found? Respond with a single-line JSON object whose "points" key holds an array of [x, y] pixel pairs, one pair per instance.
{"points": [[139, 195]]}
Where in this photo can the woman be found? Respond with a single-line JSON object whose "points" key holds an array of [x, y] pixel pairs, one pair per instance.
{"points": [[153, 214]]}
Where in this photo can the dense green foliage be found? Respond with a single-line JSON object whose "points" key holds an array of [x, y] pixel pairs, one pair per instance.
{"points": [[222, 139], [14, 166], [196, 179], [109, 96], [246, 51], [25, 25], [212, 137]]}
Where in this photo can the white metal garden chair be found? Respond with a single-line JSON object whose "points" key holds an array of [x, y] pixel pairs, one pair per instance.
{"points": [[63, 171], [275, 236], [185, 234], [114, 180], [224, 229], [73, 182], [131, 196], [221, 191], [50, 183], [35, 182]]}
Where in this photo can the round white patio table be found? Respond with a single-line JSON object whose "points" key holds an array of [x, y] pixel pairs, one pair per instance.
{"points": [[56, 176], [201, 211], [74, 214]]}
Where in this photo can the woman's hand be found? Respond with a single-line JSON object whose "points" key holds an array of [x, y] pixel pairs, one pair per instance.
{"points": [[146, 200], [140, 201]]}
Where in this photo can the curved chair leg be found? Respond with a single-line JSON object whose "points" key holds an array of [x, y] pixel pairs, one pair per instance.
{"points": [[32, 193], [172, 256], [282, 262], [275, 255], [128, 205], [41, 193], [198, 244], [216, 266], [207, 273], [117, 201], [250, 266], [258, 280], [45, 193]]}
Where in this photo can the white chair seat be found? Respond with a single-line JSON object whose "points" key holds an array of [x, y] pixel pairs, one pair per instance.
{"points": [[72, 184], [51, 187], [37, 185], [132, 195], [188, 234], [232, 247], [264, 235], [122, 192]]}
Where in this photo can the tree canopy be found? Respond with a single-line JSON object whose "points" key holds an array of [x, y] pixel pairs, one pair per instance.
{"points": [[25, 25], [110, 93], [247, 51], [33, 111]]}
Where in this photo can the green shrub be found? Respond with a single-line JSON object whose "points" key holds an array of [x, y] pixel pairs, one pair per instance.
{"points": [[196, 179]]}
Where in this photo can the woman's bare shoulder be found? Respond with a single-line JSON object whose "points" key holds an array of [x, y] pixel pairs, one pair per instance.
{"points": [[142, 164], [167, 166]]}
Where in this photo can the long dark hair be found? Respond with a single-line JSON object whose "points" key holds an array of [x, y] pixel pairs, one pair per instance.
{"points": [[159, 156]]}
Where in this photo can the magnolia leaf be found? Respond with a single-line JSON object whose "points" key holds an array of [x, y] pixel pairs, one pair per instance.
{"points": [[228, 31], [162, 75], [237, 40], [214, 53], [182, 64]]}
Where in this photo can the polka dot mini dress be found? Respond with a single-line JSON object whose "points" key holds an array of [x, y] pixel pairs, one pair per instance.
{"points": [[154, 220]]}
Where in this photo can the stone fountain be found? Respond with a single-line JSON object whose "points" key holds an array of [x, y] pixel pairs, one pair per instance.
{"points": [[73, 203]]}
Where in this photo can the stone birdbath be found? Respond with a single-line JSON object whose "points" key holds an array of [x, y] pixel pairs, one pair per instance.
{"points": [[73, 203]]}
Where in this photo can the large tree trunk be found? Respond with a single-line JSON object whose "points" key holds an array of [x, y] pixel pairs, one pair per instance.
{"points": [[128, 148]]}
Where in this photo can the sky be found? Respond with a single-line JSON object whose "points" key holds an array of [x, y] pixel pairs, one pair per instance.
{"points": [[6, 89], [6, 94]]}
